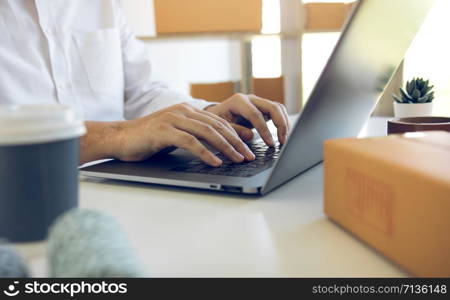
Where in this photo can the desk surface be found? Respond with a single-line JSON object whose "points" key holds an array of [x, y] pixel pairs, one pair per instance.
{"points": [[182, 232]]}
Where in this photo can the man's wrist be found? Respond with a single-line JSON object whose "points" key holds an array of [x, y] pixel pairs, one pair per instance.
{"points": [[114, 139], [207, 108], [103, 140]]}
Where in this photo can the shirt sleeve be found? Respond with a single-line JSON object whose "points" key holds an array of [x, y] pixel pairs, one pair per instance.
{"points": [[144, 96]]}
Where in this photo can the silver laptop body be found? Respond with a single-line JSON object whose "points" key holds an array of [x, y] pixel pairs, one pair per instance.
{"points": [[364, 60]]}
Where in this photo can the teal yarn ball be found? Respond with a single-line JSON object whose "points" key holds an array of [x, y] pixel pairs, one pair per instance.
{"points": [[11, 263], [90, 244]]}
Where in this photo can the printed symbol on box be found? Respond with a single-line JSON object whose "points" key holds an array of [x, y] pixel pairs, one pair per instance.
{"points": [[370, 200], [11, 290]]}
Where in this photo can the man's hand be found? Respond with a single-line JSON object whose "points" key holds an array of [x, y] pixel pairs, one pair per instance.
{"points": [[253, 109], [179, 125], [184, 126]]}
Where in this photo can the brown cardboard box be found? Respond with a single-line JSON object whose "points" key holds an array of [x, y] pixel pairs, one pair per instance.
{"points": [[191, 16], [269, 88], [394, 193], [326, 16], [214, 92]]}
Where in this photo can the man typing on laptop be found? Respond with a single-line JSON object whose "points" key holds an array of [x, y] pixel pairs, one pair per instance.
{"points": [[83, 54]]}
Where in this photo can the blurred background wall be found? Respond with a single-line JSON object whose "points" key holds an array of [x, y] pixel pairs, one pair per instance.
{"points": [[293, 35]]}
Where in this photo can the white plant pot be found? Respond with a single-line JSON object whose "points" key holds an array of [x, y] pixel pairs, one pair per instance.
{"points": [[407, 110]]}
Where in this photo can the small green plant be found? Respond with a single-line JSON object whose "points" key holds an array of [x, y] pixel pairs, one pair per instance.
{"points": [[417, 91]]}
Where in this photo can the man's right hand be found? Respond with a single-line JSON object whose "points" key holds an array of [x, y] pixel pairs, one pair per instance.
{"points": [[180, 126]]}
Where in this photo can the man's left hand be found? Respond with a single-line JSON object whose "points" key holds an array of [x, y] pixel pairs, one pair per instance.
{"points": [[253, 109]]}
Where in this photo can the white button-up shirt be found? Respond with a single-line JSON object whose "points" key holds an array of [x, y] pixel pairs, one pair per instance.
{"points": [[79, 53]]}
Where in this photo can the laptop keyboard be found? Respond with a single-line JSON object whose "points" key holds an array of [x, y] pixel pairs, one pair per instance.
{"points": [[265, 158]]}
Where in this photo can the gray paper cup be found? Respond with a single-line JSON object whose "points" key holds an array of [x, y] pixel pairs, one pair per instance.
{"points": [[39, 158]]}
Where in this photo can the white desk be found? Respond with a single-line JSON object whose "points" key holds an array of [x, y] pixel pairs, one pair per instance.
{"points": [[182, 232]]}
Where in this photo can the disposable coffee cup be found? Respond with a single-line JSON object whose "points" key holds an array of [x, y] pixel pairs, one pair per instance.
{"points": [[39, 158]]}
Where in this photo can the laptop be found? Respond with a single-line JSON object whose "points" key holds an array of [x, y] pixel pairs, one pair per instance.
{"points": [[370, 50]]}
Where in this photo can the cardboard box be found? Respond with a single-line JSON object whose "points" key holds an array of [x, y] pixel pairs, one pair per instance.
{"points": [[192, 16], [326, 16], [394, 193], [214, 92], [269, 88]]}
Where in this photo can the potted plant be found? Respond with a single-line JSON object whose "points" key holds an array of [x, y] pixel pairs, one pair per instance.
{"points": [[416, 100]]}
